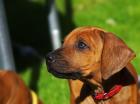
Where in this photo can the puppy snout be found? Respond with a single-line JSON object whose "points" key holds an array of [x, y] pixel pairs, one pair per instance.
{"points": [[50, 58], [53, 56]]}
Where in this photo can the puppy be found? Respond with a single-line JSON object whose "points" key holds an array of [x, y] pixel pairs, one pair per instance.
{"points": [[14, 91], [97, 64]]}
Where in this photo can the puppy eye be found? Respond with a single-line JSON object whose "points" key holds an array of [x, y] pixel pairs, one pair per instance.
{"points": [[82, 45]]}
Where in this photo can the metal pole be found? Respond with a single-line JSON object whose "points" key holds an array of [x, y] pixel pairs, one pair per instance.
{"points": [[54, 25], [6, 55]]}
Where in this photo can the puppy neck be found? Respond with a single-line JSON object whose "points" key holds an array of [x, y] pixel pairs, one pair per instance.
{"points": [[94, 79]]}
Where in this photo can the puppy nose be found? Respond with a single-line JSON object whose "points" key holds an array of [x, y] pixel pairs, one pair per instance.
{"points": [[51, 58]]}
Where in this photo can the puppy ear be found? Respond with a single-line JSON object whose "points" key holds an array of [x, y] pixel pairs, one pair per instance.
{"points": [[115, 55]]}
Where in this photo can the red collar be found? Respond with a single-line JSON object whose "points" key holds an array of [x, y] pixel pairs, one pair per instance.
{"points": [[104, 95]]}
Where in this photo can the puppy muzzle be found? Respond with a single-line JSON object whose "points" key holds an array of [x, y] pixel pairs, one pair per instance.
{"points": [[59, 67]]}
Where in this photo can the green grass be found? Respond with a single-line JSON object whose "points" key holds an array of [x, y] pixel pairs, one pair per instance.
{"points": [[118, 16]]}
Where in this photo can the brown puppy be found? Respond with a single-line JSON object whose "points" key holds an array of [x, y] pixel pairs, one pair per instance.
{"points": [[14, 91], [98, 66]]}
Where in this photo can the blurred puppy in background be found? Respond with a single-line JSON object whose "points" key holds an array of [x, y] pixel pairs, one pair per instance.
{"points": [[14, 91]]}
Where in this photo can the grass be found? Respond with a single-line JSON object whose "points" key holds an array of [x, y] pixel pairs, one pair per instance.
{"points": [[119, 17]]}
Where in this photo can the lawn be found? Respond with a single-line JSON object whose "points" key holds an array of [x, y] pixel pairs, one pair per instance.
{"points": [[118, 16]]}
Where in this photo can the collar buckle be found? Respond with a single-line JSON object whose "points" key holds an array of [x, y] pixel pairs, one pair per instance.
{"points": [[107, 95]]}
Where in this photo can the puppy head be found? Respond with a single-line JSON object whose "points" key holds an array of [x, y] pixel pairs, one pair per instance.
{"points": [[88, 50]]}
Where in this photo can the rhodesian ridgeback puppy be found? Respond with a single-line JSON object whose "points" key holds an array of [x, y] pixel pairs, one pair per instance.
{"points": [[97, 64], [14, 91]]}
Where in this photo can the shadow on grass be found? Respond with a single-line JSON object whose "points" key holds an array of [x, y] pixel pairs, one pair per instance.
{"points": [[66, 21], [29, 35], [29, 32]]}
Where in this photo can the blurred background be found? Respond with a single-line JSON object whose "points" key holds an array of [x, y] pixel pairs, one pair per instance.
{"points": [[29, 28]]}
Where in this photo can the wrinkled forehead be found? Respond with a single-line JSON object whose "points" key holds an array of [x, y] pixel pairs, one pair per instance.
{"points": [[83, 33]]}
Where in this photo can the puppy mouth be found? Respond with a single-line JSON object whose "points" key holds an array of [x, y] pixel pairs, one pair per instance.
{"points": [[60, 68], [64, 75]]}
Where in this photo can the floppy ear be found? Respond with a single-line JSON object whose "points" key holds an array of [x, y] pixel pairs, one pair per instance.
{"points": [[115, 55]]}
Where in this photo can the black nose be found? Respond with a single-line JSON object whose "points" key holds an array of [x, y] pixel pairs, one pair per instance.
{"points": [[50, 58]]}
